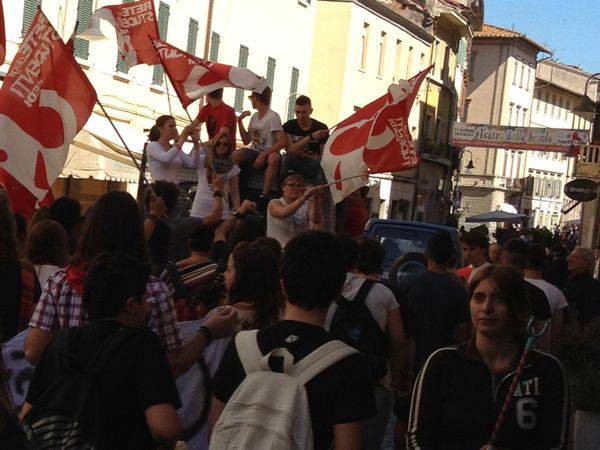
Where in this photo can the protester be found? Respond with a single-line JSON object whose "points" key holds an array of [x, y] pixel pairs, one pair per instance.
{"points": [[340, 397], [474, 247], [67, 212], [216, 160], [194, 283], [556, 299], [164, 158], [114, 223], [298, 210], [178, 229], [460, 390], [306, 138], [581, 289], [218, 116], [10, 271], [357, 214], [138, 401], [495, 253], [266, 136], [386, 344]]}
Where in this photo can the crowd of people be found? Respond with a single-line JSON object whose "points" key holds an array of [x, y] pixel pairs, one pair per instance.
{"points": [[317, 350]]}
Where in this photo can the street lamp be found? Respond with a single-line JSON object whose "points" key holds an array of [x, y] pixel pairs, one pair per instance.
{"points": [[587, 106], [470, 165]]}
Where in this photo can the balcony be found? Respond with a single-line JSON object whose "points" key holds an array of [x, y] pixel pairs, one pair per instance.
{"points": [[588, 163]]}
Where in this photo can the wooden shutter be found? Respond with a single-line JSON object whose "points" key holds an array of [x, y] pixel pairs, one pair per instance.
{"points": [[163, 25], [192, 36], [29, 12], [215, 42], [120, 61], [84, 12], [271, 71], [293, 93], [239, 93]]}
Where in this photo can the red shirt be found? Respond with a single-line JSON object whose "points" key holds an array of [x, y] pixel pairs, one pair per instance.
{"points": [[357, 216], [216, 118]]}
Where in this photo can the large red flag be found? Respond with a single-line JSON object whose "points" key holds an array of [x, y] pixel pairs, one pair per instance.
{"points": [[135, 24], [2, 36], [193, 77], [44, 102], [375, 139]]}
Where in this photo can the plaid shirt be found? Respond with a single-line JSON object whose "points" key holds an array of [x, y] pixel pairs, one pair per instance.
{"points": [[60, 306]]}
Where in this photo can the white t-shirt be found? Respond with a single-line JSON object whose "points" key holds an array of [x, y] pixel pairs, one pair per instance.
{"points": [[45, 271], [165, 164], [555, 297], [286, 229], [203, 200], [263, 129]]}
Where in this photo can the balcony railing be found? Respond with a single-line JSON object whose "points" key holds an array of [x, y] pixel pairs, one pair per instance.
{"points": [[588, 165]]}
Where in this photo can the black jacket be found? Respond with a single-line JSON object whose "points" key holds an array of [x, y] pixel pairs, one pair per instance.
{"points": [[583, 294], [456, 401]]}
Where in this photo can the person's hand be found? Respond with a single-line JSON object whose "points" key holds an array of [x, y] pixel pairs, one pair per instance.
{"points": [[218, 183], [309, 192], [260, 160], [244, 114], [320, 135], [246, 207], [157, 207], [223, 322], [187, 131]]}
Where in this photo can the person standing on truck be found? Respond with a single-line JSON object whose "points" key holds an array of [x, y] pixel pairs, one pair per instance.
{"points": [[475, 247]]}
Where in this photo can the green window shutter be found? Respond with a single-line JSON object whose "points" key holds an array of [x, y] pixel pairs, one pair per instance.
{"points": [[84, 12], [120, 61], [192, 36], [239, 93], [271, 71], [29, 12], [293, 93], [163, 24], [215, 42]]}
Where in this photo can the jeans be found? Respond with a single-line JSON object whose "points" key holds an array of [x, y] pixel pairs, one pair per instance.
{"points": [[374, 429]]}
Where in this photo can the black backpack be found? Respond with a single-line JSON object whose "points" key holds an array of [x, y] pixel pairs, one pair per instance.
{"points": [[354, 324], [66, 415]]}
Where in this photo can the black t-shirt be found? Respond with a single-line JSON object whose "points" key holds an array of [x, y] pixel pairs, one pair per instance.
{"points": [[538, 302], [292, 128], [434, 305], [340, 394], [135, 378]]}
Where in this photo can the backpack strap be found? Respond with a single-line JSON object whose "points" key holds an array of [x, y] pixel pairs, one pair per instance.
{"points": [[321, 359], [364, 290], [250, 355]]}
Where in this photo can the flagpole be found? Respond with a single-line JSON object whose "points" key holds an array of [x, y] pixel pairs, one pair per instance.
{"points": [[348, 178], [142, 175]]}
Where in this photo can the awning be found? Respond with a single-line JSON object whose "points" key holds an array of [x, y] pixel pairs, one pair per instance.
{"points": [[496, 216]]}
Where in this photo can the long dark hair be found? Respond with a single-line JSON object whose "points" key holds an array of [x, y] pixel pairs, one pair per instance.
{"points": [[113, 223], [257, 281], [154, 134], [47, 243], [8, 232]]}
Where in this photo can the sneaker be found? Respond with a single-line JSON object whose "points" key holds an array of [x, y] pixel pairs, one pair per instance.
{"points": [[263, 203]]}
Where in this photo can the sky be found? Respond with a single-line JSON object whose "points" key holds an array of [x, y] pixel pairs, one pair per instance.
{"points": [[570, 28]]}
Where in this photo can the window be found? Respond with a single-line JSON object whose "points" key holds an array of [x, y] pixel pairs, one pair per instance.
{"points": [[560, 107], [271, 71], [215, 43], [409, 63], [192, 36], [29, 12], [567, 108], [553, 106], [84, 12], [546, 102], [422, 62], [516, 72], [522, 75], [365, 45], [121, 67], [528, 78], [538, 102], [524, 116], [293, 92], [163, 24], [510, 114], [382, 45], [239, 93], [398, 60]]}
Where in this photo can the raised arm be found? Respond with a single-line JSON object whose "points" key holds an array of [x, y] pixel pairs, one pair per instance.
{"points": [[315, 210], [243, 132]]}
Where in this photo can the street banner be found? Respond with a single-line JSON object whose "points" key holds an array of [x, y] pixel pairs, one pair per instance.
{"points": [[2, 35], [136, 25], [44, 102], [517, 138], [375, 139], [192, 385], [193, 77]]}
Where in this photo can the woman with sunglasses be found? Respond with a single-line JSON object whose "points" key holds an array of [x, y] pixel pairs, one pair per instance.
{"points": [[216, 160], [297, 211]]}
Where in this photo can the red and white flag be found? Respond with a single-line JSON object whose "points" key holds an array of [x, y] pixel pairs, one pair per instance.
{"points": [[136, 25], [44, 102], [194, 77], [376, 139], [2, 35]]}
